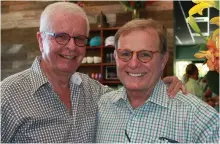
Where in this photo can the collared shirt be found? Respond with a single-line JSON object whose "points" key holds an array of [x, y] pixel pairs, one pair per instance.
{"points": [[160, 119], [194, 87], [32, 112]]}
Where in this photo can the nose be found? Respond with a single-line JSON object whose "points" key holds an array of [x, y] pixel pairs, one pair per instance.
{"points": [[71, 44], [134, 62]]}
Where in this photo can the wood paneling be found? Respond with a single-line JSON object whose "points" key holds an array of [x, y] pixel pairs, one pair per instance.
{"points": [[19, 36], [20, 23], [23, 6], [26, 14]]}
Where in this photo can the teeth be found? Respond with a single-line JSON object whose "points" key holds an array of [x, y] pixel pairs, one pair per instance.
{"points": [[68, 57], [136, 74]]}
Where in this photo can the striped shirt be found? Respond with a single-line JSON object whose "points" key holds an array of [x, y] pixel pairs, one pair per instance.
{"points": [[32, 112], [160, 119]]}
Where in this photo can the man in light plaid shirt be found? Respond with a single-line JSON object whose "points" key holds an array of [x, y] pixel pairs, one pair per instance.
{"points": [[141, 112]]}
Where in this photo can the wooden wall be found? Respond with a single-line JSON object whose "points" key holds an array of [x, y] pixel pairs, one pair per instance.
{"points": [[20, 22]]}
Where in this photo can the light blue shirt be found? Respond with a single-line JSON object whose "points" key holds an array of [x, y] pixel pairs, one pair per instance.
{"points": [[185, 119]]}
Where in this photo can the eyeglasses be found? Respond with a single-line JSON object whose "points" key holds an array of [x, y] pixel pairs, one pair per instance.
{"points": [[64, 38], [142, 55]]}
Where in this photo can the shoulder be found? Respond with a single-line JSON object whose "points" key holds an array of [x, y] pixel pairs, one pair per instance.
{"points": [[192, 103], [92, 86], [14, 81], [205, 118], [89, 82], [111, 97], [13, 86], [189, 100], [85, 78]]}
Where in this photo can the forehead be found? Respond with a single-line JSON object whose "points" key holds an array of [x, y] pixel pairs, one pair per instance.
{"points": [[150, 32], [68, 22], [140, 39]]}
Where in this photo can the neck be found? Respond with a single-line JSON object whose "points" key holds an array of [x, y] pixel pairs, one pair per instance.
{"points": [[193, 77], [60, 83], [57, 79], [138, 98]]}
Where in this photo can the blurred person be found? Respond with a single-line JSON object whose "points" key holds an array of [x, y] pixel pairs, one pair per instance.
{"points": [[141, 112], [193, 85], [51, 102], [212, 99]]}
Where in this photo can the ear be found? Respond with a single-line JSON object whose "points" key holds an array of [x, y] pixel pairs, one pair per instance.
{"points": [[40, 41], [165, 58], [115, 54]]}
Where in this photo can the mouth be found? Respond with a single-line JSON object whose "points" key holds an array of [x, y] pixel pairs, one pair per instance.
{"points": [[136, 74], [68, 57]]}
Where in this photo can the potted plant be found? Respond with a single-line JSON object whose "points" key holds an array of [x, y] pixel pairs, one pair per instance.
{"points": [[210, 48]]}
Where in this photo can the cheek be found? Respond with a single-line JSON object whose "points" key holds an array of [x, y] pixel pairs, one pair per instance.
{"points": [[118, 63], [82, 52], [48, 47], [121, 67], [156, 68]]}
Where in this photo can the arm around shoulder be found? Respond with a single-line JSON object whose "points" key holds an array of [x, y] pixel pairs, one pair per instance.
{"points": [[94, 87]]}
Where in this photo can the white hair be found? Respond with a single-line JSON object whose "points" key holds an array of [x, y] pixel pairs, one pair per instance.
{"points": [[57, 7]]}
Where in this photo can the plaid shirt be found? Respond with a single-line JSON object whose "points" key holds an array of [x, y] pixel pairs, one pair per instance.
{"points": [[32, 112], [184, 119]]}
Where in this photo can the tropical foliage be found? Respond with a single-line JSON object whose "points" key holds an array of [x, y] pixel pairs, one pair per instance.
{"points": [[211, 53]]}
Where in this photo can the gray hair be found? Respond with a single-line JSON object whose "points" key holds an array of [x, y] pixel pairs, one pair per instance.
{"points": [[144, 24], [56, 7]]}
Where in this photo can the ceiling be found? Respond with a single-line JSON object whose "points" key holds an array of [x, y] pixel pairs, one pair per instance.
{"points": [[183, 33]]}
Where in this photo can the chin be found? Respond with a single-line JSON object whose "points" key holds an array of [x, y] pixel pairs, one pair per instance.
{"points": [[133, 87], [68, 67], [68, 70]]}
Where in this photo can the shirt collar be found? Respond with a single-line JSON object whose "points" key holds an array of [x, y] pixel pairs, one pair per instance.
{"points": [[192, 80], [159, 95], [119, 94], [38, 78]]}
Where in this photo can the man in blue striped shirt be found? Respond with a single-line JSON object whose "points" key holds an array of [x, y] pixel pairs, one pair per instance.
{"points": [[142, 112]]}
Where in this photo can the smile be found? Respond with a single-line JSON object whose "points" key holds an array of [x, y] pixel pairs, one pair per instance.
{"points": [[68, 57], [136, 74]]}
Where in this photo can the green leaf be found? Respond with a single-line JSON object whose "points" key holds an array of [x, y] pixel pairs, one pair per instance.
{"points": [[217, 4], [202, 47], [193, 24]]}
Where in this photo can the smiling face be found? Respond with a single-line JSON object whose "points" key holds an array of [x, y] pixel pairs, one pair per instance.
{"points": [[134, 74], [62, 58]]}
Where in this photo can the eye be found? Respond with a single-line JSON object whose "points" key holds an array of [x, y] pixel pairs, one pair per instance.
{"points": [[80, 37], [125, 53], [62, 36], [145, 54]]}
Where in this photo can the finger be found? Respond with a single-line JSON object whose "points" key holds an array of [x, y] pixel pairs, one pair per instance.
{"points": [[168, 79], [172, 84], [176, 89], [183, 88]]}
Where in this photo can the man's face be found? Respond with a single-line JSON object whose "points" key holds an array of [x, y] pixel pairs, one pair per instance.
{"points": [[63, 58], [134, 74]]}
